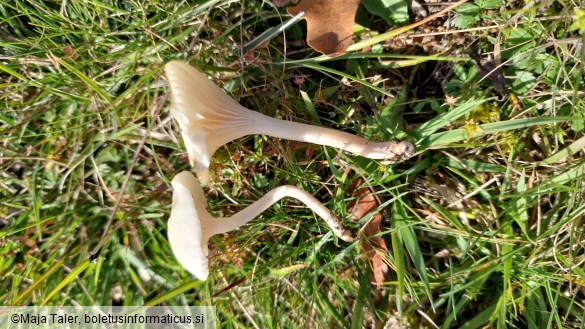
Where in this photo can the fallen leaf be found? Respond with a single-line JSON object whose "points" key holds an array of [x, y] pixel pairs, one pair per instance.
{"points": [[374, 246], [329, 23], [282, 3]]}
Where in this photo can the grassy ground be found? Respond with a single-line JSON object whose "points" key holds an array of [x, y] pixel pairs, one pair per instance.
{"points": [[484, 224]]}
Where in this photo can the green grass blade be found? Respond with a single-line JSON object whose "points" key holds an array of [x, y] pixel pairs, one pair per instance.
{"points": [[442, 120], [89, 81], [67, 280], [457, 135], [56, 266], [568, 151], [409, 238]]}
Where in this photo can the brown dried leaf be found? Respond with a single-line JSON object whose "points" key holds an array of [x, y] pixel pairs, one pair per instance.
{"points": [[329, 23], [374, 245], [282, 3]]}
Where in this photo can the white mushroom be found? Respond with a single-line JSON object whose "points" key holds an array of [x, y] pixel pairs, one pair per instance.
{"points": [[209, 118], [190, 225]]}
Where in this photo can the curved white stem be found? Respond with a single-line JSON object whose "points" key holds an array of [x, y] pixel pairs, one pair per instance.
{"points": [[390, 150], [256, 208], [190, 225]]}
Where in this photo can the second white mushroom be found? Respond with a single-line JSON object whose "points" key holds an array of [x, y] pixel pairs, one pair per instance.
{"points": [[190, 225]]}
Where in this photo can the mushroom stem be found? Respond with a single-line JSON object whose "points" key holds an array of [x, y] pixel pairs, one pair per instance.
{"points": [[256, 208], [389, 151], [209, 118]]}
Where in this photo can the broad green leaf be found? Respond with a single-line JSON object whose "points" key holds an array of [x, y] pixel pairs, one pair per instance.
{"points": [[579, 21], [468, 9], [489, 4], [519, 40], [393, 11], [523, 82], [463, 21]]}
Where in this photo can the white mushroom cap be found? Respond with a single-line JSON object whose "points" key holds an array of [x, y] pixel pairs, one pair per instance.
{"points": [[209, 118], [190, 225]]}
